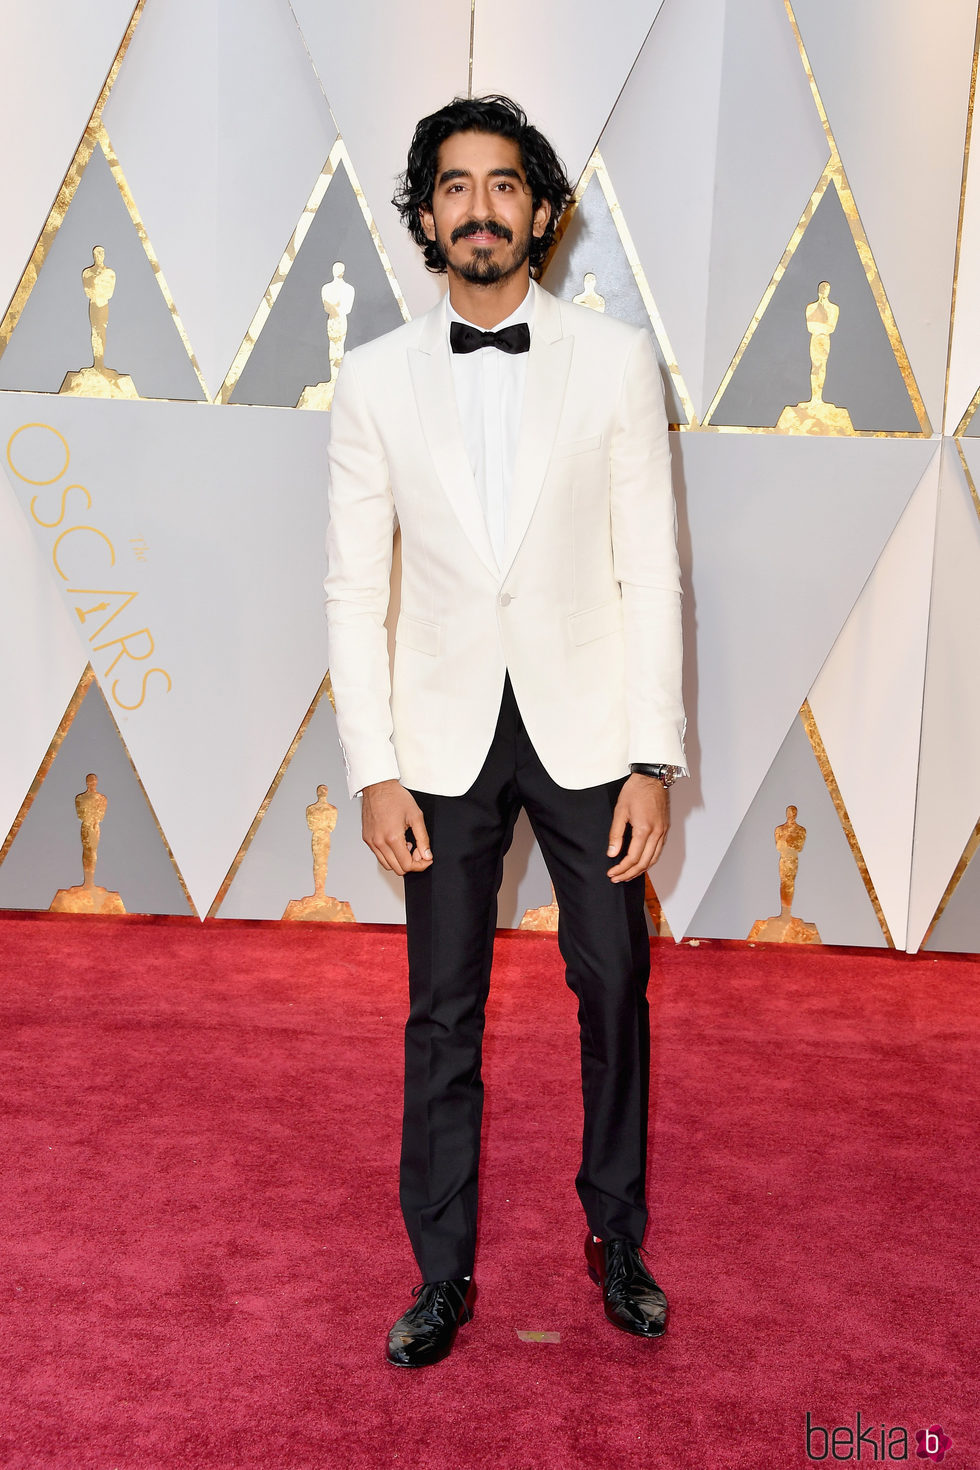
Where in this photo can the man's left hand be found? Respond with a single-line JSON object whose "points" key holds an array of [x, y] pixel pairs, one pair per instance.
{"points": [[645, 804]]}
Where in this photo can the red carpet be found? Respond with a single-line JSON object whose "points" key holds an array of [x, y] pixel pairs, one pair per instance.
{"points": [[202, 1249]]}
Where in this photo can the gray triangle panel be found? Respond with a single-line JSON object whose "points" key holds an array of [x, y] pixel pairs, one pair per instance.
{"points": [[863, 375], [830, 892], [958, 927], [53, 335], [46, 854], [292, 350], [278, 864]]}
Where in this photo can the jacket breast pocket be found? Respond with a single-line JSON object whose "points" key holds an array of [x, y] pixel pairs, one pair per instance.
{"points": [[416, 633], [570, 447], [596, 622]]}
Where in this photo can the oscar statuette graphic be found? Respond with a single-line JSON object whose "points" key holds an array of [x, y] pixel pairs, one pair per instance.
{"points": [[817, 416], [543, 920], [785, 927], [590, 296], [337, 297], [99, 381], [87, 898], [321, 818]]}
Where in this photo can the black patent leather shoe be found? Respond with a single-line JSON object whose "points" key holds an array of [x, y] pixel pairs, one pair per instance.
{"points": [[428, 1329], [632, 1299]]}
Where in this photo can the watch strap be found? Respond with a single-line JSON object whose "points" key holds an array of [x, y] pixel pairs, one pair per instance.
{"points": [[665, 774]]}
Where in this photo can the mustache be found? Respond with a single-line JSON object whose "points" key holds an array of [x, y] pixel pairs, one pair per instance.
{"points": [[481, 227]]}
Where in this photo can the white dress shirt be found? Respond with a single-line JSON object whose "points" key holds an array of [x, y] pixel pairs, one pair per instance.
{"points": [[489, 395]]}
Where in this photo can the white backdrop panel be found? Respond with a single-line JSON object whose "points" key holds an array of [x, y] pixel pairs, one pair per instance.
{"points": [[948, 802], [778, 535], [41, 658], [659, 147], [384, 67], [215, 518], [58, 54], [867, 701], [221, 129], [771, 151], [894, 77], [589, 55]]}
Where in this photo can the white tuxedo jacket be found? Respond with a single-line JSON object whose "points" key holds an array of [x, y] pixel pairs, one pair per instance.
{"points": [[584, 611]]}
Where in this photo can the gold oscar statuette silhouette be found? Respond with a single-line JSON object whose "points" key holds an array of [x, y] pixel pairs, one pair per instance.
{"points": [[321, 818], [590, 296], [785, 927], [87, 898], [99, 381], [817, 416], [543, 920], [337, 297]]}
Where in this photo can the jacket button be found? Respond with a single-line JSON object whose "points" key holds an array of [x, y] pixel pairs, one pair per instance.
{"points": [[505, 599]]}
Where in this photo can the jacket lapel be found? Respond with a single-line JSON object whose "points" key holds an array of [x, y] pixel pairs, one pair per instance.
{"points": [[435, 394], [548, 363]]}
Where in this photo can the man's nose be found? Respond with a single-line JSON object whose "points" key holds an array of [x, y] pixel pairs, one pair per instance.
{"points": [[481, 201]]}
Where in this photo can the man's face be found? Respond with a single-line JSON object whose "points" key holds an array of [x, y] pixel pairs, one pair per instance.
{"points": [[482, 217]]}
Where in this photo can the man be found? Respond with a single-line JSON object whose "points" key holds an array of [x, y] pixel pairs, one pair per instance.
{"points": [[521, 443]]}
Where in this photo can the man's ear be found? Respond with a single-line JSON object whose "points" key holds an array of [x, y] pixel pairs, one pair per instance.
{"points": [[542, 215], [427, 222]]}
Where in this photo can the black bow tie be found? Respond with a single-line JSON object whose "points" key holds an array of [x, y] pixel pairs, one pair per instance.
{"points": [[464, 338]]}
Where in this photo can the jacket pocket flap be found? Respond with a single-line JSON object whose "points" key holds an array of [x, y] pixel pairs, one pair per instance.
{"points": [[422, 636], [596, 622], [577, 446]]}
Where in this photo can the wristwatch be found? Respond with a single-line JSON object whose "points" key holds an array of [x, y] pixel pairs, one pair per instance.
{"points": [[666, 775]]}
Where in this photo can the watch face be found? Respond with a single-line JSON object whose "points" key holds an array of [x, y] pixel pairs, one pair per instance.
{"points": [[668, 776]]}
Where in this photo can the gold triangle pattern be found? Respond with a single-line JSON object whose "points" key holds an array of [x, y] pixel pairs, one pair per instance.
{"points": [[338, 157], [971, 409], [69, 184], [830, 780], [95, 136], [833, 175], [596, 168], [969, 477], [975, 403], [325, 689], [74, 705]]}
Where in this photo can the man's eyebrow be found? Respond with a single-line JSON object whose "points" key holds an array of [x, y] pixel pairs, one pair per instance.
{"points": [[448, 174]]}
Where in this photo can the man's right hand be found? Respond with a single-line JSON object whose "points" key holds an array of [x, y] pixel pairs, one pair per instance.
{"points": [[388, 811]]}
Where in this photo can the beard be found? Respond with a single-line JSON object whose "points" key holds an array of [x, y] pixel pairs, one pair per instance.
{"points": [[481, 269]]}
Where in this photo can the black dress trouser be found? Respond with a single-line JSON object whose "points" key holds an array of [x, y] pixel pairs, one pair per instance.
{"points": [[451, 914]]}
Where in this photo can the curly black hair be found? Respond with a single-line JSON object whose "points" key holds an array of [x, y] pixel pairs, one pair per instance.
{"points": [[495, 114]]}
